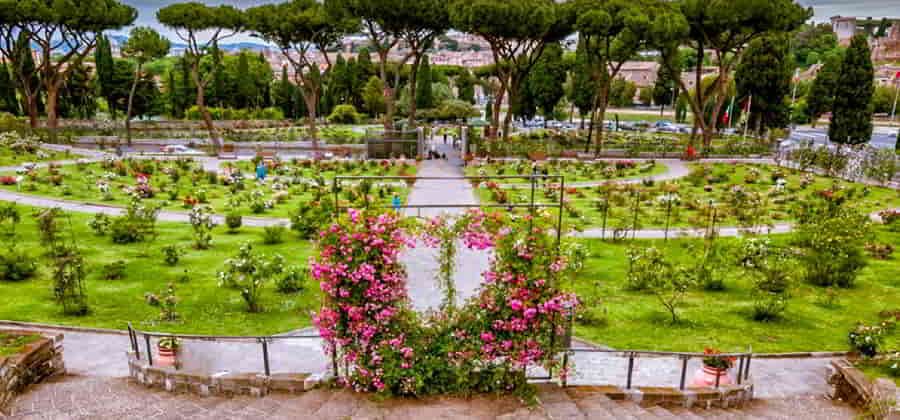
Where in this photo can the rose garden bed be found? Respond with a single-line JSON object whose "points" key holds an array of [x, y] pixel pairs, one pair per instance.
{"points": [[574, 171], [741, 194], [183, 184]]}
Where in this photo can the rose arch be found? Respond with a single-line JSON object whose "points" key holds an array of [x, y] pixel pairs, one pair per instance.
{"points": [[486, 344]]}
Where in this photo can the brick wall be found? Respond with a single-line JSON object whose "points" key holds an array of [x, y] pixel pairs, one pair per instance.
{"points": [[39, 360]]}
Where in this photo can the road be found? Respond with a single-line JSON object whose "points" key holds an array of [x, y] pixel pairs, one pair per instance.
{"points": [[883, 137]]}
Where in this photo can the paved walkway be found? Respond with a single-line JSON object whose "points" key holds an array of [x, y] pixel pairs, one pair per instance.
{"points": [[421, 261]]}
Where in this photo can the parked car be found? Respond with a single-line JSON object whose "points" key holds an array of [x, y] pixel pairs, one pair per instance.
{"points": [[180, 149]]}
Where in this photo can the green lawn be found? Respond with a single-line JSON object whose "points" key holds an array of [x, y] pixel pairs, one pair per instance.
{"points": [[288, 187], [205, 308], [637, 320], [11, 158], [717, 182], [574, 171], [874, 370]]}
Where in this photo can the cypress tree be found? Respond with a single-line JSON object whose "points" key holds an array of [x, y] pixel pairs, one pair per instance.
{"points": [[245, 89], [8, 102], [25, 62], [424, 95], [851, 121], [217, 96], [284, 95], [105, 72], [821, 93], [465, 86], [175, 109]]}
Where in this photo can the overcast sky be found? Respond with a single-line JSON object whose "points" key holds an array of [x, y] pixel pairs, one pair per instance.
{"points": [[824, 9]]}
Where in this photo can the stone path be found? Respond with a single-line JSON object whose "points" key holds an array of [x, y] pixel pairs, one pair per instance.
{"points": [[421, 262], [73, 397]]}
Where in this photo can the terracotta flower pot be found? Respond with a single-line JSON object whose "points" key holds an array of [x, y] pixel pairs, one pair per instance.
{"points": [[706, 377], [166, 357]]}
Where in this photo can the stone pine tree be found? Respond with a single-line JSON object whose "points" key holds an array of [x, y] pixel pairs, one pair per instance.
{"points": [[190, 21], [821, 94], [724, 28], [144, 45], [104, 69], [613, 32], [387, 23], [8, 101], [517, 32], [64, 32], [851, 121], [424, 95], [300, 28], [765, 73]]}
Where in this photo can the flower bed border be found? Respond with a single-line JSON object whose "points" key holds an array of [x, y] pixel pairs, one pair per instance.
{"points": [[39, 360], [726, 396]]}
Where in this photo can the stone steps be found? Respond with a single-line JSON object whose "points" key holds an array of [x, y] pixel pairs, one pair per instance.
{"points": [[109, 398]]}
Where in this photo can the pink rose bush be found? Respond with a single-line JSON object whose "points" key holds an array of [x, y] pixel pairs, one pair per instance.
{"points": [[516, 321]]}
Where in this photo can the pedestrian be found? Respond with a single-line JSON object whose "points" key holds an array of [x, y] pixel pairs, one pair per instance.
{"points": [[396, 202], [445, 138], [261, 171]]}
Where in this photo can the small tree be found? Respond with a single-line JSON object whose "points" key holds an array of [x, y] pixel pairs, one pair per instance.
{"points": [[851, 121], [202, 224], [143, 45], [248, 272]]}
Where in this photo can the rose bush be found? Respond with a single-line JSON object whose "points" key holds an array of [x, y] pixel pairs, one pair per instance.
{"points": [[513, 322]]}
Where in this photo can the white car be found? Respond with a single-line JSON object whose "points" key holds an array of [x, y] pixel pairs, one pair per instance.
{"points": [[179, 149]]}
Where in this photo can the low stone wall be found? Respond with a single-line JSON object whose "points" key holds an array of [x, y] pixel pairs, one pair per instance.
{"points": [[39, 360], [851, 385], [727, 396], [218, 384]]}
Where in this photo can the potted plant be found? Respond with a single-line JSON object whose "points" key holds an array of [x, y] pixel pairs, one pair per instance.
{"points": [[168, 350], [714, 368]]}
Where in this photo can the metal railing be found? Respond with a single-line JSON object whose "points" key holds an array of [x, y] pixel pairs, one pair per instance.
{"points": [[743, 359], [263, 341]]}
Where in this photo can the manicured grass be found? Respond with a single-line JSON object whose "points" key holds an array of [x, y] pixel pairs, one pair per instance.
{"points": [[874, 371], [692, 206], [205, 308], [12, 344], [288, 187], [637, 320], [575, 171], [11, 158]]}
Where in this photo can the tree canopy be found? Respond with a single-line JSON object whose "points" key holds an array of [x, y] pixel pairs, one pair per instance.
{"points": [[851, 121]]}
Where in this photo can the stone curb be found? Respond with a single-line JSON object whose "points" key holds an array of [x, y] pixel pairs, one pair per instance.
{"points": [[4, 324], [729, 396]]}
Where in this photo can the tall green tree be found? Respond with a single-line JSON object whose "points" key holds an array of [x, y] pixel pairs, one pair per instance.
{"points": [[821, 93], [811, 42], [15, 46], [465, 86], [245, 87], [665, 89], [517, 32], [8, 101], [299, 28], [218, 88], [765, 72], [190, 20], [386, 23], [283, 96], [65, 32], [583, 87], [851, 121], [614, 31], [174, 101], [104, 68], [546, 80], [724, 27], [373, 96], [77, 98], [144, 45], [424, 95]]}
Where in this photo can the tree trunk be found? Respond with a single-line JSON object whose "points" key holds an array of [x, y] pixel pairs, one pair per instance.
{"points": [[311, 102], [388, 92], [137, 75], [32, 109], [590, 136], [602, 104], [413, 77], [52, 116], [495, 118], [207, 118]]}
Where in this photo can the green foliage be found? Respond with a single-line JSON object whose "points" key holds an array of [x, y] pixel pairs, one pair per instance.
{"points": [[811, 42], [168, 313], [772, 273], [765, 72], [293, 280], [172, 254], [868, 339], [273, 234], [248, 272], [621, 93], [644, 265], [310, 217], [851, 121], [821, 94], [831, 233], [16, 265], [114, 270], [582, 89], [545, 81], [202, 226], [344, 114], [424, 96], [138, 224], [233, 221], [100, 224], [465, 86], [231, 114], [8, 101], [373, 96]]}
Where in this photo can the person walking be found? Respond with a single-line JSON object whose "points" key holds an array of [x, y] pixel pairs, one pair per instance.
{"points": [[395, 201]]}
